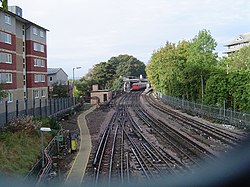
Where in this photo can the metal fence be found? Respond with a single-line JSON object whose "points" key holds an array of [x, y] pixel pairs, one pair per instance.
{"points": [[37, 108], [230, 116]]}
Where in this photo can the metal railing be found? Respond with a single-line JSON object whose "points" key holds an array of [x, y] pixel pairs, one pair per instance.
{"points": [[229, 116], [37, 108]]}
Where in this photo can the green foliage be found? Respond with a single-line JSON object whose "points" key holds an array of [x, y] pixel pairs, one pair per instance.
{"points": [[202, 58], [4, 5], [18, 152], [177, 69], [191, 70], [3, 93], [54, 123], [117, 84], [60, 90], [125, 65], [217, 89], [51, 122], [235, 72], [108, 75]]}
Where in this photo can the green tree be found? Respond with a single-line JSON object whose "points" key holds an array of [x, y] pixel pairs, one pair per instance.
{"points": [[60, 90], [160, 70], [230, 82], [3, 93], [126, 65], [4, 5], [240, 60], [117, 84], [108, 75], [217, 89], [202, 58], [165, 69], [103, 74]]}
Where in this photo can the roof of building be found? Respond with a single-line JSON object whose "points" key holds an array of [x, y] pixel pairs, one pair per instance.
{"points": [[22, 19], [51, 71], [101, 91], [243, 38]]}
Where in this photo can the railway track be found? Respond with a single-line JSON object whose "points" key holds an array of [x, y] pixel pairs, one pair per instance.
{"points": [[220, 134], [189, 152], [124, 153], [128, 150]]}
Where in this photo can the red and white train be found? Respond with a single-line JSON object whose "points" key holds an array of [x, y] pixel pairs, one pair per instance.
{"points": [[138, 86]]}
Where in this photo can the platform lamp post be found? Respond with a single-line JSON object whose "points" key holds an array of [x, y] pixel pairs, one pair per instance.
{"points": [[74, 77], [43, 129]]}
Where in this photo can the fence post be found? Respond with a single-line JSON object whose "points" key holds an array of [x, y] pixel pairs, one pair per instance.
{"points": [[50, 106], [34, 106], [46, 107], [224, 106], [40, 107], [58, 104], [6, 111], [17, 109], [26, 106], [54, 106]]}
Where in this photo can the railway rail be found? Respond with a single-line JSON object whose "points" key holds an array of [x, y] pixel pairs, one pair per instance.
{"points": [[129, 148], [223, 135]]}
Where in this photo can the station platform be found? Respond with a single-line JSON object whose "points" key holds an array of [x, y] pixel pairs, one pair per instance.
{"points": [[77, 171]]}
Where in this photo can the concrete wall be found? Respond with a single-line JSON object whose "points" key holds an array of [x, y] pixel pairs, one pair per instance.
{"points": [[100, 95]]}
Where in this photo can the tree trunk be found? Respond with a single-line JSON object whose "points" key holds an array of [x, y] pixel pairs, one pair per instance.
{"points": [[202, 88]]}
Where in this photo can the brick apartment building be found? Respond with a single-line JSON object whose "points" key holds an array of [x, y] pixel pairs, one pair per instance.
{"points": [[23, 57]]}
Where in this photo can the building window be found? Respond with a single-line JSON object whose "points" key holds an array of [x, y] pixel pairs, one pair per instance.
{"points": [[5, 57], [35, 94], [42, 34], [5, 77], [8, 39], [8, 77], [42, 48], [39, 78], [38, 47], [5, 37], [38, 62], [35, 46], [7, 19], [35, 31], [43, 93], [50, 79], [10, 97]]}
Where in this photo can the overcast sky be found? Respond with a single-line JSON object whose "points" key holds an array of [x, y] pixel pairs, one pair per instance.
{"points": [[86, 32]]}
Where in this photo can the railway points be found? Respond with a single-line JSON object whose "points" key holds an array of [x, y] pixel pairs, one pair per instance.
{"points": [[139, 139]]}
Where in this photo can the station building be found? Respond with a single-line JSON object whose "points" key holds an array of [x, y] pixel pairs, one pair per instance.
{"points": [[100, 96]]}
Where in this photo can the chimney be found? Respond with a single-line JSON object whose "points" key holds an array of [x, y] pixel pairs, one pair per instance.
{"points": [[95, 87], [16, 10]]}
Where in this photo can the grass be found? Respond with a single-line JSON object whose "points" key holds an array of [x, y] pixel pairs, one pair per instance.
{"points": [[19, 151]]}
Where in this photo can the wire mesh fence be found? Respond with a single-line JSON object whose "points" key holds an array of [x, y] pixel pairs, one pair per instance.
{"points": [[37, 108], [230, 116]]}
